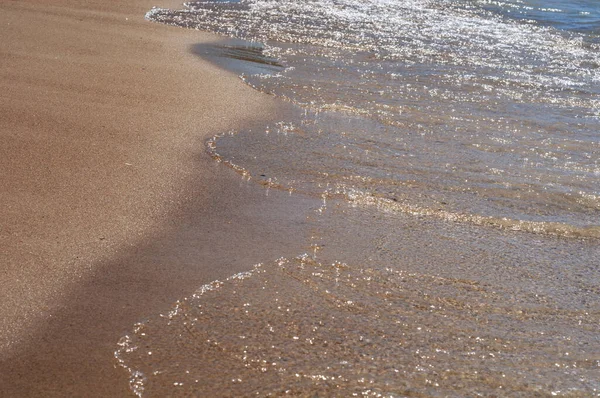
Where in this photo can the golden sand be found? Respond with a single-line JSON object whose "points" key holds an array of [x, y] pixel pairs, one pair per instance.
{"points": [[111, 210]]}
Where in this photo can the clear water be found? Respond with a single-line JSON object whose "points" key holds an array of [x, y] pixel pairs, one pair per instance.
{"points": [[459, 142], [435, 106]]}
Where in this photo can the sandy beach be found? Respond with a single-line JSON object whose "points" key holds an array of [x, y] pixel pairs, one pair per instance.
{"points": [[111, 209], [414, 211]]}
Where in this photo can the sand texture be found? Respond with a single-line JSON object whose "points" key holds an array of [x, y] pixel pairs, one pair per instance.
{"points": [[111, 209]]}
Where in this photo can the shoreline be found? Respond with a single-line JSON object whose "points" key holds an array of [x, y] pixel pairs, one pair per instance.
{"points": [[114, 213], [113, 209]]}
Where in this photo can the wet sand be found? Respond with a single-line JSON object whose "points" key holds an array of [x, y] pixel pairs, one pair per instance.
{"points": [[111, 209]]}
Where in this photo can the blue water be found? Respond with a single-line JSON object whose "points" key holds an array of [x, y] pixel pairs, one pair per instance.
{"points": [[573, 15]]}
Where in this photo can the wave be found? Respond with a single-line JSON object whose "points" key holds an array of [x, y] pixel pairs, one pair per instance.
{"points": [[300, 327], [358, 197]]}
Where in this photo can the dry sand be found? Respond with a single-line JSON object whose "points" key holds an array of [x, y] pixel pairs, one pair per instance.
{"points": [[111, 210]]}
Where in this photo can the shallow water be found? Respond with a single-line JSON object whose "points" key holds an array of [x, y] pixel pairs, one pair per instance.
{"points": [[431, 105], [410, 307], [453, 151]]}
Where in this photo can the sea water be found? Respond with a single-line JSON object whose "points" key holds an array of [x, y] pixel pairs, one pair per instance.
{"points": [[455, 148]]}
